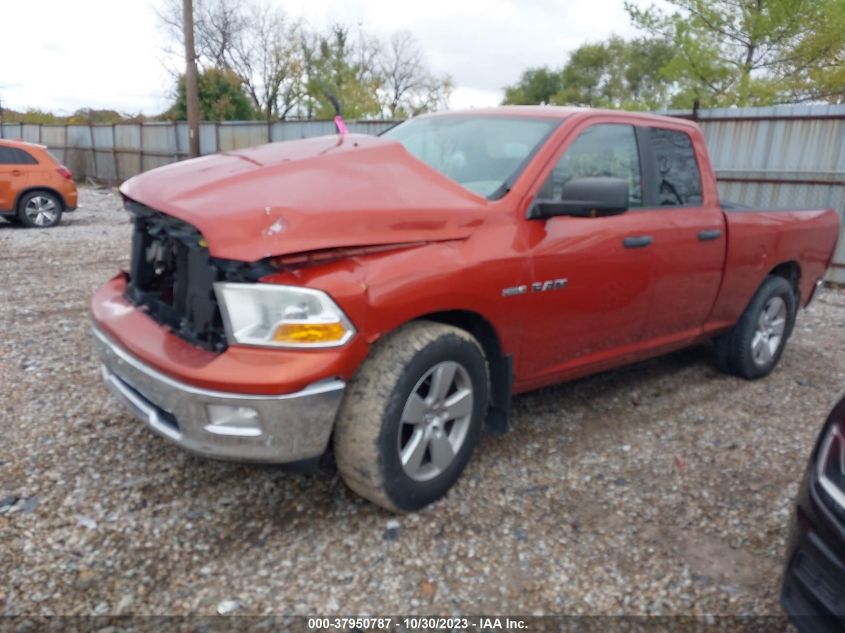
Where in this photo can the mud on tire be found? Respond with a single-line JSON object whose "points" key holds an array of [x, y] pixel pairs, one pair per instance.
{"points": [[399, 383]]}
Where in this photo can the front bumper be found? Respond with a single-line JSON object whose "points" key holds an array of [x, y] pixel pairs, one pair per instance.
{"points": [[813, 590], [278, 428]]}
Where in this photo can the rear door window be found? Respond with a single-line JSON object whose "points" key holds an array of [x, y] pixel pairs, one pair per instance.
{"points": [[678, 179], [16, 156]]}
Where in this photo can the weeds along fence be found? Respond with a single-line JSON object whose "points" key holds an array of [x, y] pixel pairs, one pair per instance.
{"points": [[780, 156]]}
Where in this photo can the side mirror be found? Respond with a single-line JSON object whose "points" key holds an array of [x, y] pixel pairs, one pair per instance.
{"points": [[593, 197]]}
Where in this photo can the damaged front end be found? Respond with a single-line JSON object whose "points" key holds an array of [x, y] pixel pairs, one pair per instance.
{"points": [[172, 276]]}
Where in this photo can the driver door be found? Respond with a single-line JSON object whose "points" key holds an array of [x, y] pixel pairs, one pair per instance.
{"points": [[599, 312]]}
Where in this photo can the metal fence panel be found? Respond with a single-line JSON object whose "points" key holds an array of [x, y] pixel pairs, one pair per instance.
{"points": [[158, 145], [237, 134], [30, 133], [781, 156], [104, 154], [208, 138], [293, 130], [127, 142], [55, 138], [79, 150], [12, 131]]}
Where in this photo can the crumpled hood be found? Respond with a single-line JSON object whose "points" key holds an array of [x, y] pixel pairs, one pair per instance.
{"points": [[313, 194]]}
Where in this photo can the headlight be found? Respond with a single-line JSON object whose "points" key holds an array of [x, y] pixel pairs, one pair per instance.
{"points": [[281, 316], [830, 465]]}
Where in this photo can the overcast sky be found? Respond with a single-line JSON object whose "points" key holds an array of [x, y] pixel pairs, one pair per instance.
{"points": [[108, 53]]}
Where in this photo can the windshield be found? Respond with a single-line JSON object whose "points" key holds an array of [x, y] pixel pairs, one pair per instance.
{"points": [[485, 154]]}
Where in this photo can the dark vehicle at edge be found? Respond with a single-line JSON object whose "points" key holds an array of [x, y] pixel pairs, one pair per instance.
{"points": [[813, 592]]}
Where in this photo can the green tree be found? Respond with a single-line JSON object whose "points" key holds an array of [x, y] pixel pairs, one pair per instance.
{"points": [[32, 115], [751, 52], [536, 85], [221, 96], [346, 68], [616, 73]]}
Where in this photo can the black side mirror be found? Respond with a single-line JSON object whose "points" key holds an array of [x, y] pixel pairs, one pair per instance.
{"points": [[593, 197]]}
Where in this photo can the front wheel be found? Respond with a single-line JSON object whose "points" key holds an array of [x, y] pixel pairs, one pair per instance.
{"points": [[412, 415], [755, 344]]}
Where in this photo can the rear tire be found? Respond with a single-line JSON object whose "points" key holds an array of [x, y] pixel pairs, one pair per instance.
{"points": [[754, 346], [412, 416], [40, 210]]}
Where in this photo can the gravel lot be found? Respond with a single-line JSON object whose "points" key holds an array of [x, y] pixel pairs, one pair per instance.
{"points": [[661, 488]]}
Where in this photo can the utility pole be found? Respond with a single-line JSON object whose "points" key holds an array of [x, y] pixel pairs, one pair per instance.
{"points": [[1, 118], [191, 90]]}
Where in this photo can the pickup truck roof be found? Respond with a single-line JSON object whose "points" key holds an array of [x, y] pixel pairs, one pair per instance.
{"points": [[564, 112]]}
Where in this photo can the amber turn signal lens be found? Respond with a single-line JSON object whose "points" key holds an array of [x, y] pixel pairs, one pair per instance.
{"points": [[309, 333]]}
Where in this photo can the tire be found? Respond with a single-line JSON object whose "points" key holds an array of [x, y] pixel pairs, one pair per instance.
{"points": [[754, 346], [40, 210], [389, 409]]}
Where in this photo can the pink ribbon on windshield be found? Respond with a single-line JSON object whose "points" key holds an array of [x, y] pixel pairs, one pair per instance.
{"points": [[341, 126]]}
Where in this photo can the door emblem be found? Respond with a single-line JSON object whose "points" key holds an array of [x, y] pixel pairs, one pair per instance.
{"points": [[537, 286]]}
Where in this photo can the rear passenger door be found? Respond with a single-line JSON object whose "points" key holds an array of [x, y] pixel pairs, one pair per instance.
{"points": [[687, 227], [15, 166]]}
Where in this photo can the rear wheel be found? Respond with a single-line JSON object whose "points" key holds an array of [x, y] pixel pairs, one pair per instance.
{"points": [[40, 210], [755, 344], [412, 416]]}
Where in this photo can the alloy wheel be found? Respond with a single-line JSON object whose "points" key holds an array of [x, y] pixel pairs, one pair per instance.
{"points": [[435, 421], [41, 210], [771, 326]]}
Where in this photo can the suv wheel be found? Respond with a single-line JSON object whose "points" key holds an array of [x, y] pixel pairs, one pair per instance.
{"points": [[40, 210]]}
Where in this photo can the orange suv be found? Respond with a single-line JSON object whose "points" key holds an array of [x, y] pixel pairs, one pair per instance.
{"points": [[34, 188]]}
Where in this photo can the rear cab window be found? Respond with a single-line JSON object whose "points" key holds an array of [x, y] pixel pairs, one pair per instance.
{"points": [[676, 178]]}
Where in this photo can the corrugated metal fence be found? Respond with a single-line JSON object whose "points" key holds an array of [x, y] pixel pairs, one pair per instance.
{"points": [[113, 153], [782, 156]]}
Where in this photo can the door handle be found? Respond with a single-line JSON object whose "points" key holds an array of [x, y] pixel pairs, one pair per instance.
{"points": [[638, 241], [712, 234], [17, 172]]}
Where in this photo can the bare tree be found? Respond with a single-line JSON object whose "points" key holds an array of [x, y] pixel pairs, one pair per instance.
{"points": [[407, 86], [221, 24], [267, 56], [217, 26], [253, 39], [286, 68]]}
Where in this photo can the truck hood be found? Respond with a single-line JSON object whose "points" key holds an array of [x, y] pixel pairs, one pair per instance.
{"points": [[313, 194]]}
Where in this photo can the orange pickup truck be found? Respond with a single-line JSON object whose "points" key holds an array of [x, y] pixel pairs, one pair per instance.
{"points": [[385, 296]]}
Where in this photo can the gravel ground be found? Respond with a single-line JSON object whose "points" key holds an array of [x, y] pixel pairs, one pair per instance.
{"points": [[584, 508]]}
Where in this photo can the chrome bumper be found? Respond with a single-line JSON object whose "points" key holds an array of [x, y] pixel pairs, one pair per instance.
{"points": [[222, 425]]}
